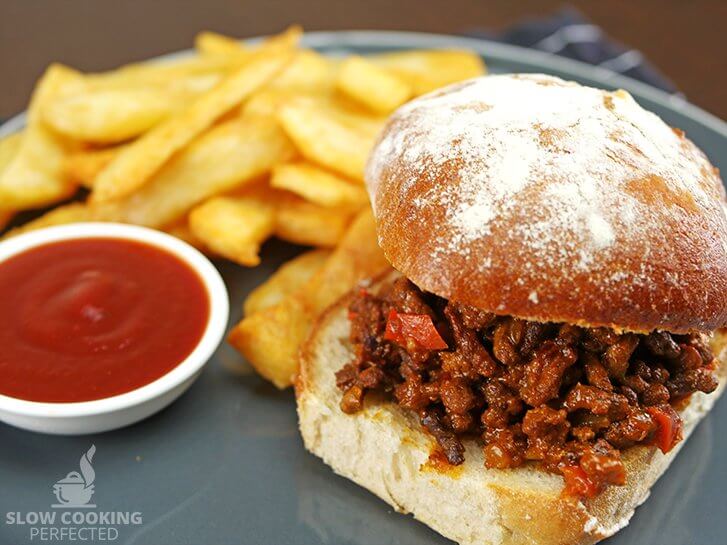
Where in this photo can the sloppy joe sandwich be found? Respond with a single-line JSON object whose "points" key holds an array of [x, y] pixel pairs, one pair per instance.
{"points": [[549, 333]]}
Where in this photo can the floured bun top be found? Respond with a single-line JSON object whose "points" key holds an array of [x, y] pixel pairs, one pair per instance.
{"points": [[539, 198]]}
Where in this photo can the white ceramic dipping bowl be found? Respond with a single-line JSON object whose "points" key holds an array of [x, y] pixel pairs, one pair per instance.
{"points": [[124, 409]]}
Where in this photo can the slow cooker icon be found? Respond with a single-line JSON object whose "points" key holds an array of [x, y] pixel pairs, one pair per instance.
{"points": [[76, 489]]}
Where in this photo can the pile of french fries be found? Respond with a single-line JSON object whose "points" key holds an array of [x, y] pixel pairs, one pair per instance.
{"points": [[225, 149]]}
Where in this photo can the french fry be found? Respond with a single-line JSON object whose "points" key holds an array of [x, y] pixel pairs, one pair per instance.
{"points": [[83, 166], [117, 106], [356, 258], [108, 116], [330, 136], [302, 222], [318, 186], [218, 46], [35, 176], [377, 89], [425, 70], [212, 43], [234, 227], [308, 75], [183, 90], [162, 73], [308, 72], [267, 102], [182, 231], [288, 279], [68, 213], [270, 339], [287, 39], [9, 147], [136, 165], [228, 156]]}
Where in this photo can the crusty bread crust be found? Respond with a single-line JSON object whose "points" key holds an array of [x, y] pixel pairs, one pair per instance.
{"points": [[530, 196], [384, 449]]}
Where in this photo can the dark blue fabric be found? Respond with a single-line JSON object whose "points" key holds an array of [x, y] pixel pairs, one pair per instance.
{"points": [[592, 46]]}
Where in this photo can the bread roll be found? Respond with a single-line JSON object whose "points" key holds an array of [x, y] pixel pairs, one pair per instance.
{"points": [[534, 197]]}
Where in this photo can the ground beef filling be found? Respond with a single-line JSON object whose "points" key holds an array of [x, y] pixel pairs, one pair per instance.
{"points": [[567, 397]]}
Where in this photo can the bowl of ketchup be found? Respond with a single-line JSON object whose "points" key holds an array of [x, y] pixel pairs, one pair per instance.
{"points": [[102, 325]]}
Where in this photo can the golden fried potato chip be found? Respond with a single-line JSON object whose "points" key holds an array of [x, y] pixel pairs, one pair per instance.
{"points": [[377, 89], [356, 258], [234, 227], [426, 70], [187, 73], [302, 222], [68, 213], [318, 186], [308, 72], [159, 74], [212, 43], [267, 102], [227, 157], [9, 147], [35, 177], [107, 116], [270, 339], [287, 280], [330, 136], [108, 112], [135, 166], [181, 230], [287, 39], [309, 75], [83, 166], [182, 91]]}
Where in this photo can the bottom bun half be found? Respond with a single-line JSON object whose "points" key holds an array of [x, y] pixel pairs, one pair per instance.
{"points": [[384, 449]]}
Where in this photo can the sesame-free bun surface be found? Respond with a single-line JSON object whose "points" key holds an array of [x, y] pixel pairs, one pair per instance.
{"points": [[539, 198]]}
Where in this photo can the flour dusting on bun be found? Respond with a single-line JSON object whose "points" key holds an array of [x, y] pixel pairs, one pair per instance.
{"points": [[531, 196]]}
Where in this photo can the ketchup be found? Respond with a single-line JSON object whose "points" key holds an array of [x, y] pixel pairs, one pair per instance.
{"points": [[91, 318]]}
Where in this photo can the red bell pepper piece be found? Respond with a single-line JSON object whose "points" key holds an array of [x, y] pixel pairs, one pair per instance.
{"points": [[668, 427], [578, 483], [404, 328]]}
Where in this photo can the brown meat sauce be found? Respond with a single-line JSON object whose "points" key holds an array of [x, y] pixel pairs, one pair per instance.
{"points": [[567, 397]]}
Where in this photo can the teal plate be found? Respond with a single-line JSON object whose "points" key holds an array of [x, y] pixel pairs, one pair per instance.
{"points": [[225, 464]]}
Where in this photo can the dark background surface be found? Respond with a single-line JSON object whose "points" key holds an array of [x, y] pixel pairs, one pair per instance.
{"points": [[683, 38]]}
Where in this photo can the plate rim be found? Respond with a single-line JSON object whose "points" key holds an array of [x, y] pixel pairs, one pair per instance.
{"points": [[420, 40]]}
